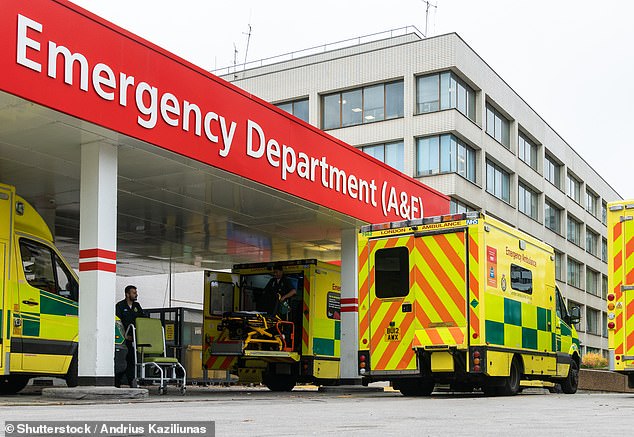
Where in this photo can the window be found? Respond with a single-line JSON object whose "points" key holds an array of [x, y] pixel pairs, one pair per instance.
{"points": [[221, 297], [592, 242], [457, 207], [527, 201], [552, 217], [604, 286], [592, 282], [391, 272], [498, 127], [390, 153], [604, 331], [559, 262], [498, 182], [363, 105], [592, 203], [604, 250], [299, 108], [574, 273], [444, 91], [604, 213], [574, 231], [445, 154], [521, 279], [592, 321], [552, 171], [44, 270], [574, 189], [527, 151]]}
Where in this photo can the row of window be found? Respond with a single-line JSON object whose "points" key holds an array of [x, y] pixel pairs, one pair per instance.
{"points": [[445, 153], [595, 282]]}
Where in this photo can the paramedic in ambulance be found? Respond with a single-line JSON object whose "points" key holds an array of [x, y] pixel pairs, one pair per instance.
{"points": [[276, 295], [127, 310]]}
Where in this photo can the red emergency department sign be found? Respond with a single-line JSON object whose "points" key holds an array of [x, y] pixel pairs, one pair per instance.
{"points": [[63, 57]]}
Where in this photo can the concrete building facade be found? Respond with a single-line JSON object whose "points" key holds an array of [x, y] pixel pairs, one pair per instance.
{"points": [[432, 108]]}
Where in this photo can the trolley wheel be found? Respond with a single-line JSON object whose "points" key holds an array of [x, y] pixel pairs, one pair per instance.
{"points": [[182, 390], [162, 390]]}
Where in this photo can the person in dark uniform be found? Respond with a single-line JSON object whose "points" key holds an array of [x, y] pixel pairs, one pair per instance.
{"points": [[128, 310], [277, 291]]}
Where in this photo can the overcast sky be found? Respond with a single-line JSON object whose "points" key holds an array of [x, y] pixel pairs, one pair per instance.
{"points": [[572, 61]]}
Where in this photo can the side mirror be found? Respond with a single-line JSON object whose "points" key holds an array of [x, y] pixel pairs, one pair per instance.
{"points": [[575, 315]]}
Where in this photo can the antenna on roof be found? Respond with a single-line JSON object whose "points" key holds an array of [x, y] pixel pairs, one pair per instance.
{"points": [[247, 49], [428, 5], [235, 60]]}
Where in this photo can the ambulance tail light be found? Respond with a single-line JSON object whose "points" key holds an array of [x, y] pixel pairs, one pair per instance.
{"points": [[477, 360], [364, 362], [611, 297]]}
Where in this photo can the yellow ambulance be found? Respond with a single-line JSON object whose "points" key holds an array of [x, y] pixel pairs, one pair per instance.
{"points": [[620, 298], [39, 295], [298, 343], [463, 300]]}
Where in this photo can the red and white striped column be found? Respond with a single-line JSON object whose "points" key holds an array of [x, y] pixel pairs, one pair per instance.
{"points": [[97, 263], [349, 307]]}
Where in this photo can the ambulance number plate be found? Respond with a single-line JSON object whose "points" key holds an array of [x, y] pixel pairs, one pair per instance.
{"points": [[392, 333]]}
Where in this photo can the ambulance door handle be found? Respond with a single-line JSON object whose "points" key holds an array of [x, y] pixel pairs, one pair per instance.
{"points": [[30, 302]]}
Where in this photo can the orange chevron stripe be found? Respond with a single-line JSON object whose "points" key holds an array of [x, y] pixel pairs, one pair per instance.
{"points": [[377, 336], [449, 251], [434, 299], [421, 315], [618, 261], [474, 249], [618, 230], [629, 248], [392, 346], [448, 285], [630, 340]]}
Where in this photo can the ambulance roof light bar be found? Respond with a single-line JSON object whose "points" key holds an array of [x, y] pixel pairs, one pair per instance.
{"points": [[471, 215]]}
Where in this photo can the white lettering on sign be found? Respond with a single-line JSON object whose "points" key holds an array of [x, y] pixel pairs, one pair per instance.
{"points": [[160, 106]]}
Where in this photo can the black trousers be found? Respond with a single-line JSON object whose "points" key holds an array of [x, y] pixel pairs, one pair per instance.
{"points": [[129, 370]]}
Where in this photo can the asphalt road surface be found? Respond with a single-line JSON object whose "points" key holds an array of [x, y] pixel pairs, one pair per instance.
{"points": [[239, 411]]}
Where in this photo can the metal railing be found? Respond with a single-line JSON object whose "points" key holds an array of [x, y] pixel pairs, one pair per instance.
{"points": [[351, 42]]}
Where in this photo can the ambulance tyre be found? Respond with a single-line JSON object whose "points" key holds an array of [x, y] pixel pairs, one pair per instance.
{"points": [[415, 387], [570, 384], [11, 384], [511, 385], [279, 382], [72, 376]]}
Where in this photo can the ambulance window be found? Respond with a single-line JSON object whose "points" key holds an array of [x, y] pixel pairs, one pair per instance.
{"points": [[221, 297], [37, 262], [391, 272], [521, 279], [66, 285]]}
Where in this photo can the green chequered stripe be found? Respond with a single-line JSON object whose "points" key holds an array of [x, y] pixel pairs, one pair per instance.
{"points": [[30, 324], [56, 305], [324, 346], [518, 325], [337, 329]]}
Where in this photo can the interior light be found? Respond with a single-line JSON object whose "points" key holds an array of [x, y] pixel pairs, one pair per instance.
{"points": [[369, 117], [356, 109]]}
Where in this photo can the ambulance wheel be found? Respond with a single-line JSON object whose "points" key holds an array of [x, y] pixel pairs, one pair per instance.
{"points": [[11, 384], [72, 377], [414, 387], [570, 384], [279, 382], [511, 385]]}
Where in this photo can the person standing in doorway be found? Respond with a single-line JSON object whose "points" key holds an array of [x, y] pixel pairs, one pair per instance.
{"points": [[127, 310], [277, 293]]}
